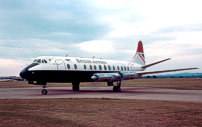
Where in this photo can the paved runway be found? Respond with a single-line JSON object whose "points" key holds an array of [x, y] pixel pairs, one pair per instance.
{"points": [[143, 93]]}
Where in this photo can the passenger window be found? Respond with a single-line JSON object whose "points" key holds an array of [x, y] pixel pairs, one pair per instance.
{"points": [[42, 61], [118, 68], [100, 67], [124, 68], [45, 61], [95, 67], [121, 68], [109, 67], [68, 66], [75, 66], [127, 68], [113, 68], [91, 67], [84, 66], [105, 67]]}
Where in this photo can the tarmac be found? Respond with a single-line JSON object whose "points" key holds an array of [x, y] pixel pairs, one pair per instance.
{"points": [[142, 93]]}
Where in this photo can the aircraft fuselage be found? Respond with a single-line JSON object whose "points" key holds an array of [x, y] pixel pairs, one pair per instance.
{"points": [[71, 69]]}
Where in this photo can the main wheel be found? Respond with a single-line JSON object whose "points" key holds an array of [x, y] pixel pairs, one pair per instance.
{"points": [[116, 89], [75, 86], [44, 92]]}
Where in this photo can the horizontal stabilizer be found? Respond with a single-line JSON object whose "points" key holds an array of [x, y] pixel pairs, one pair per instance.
{"points": [[163, 71], [155, 63]]}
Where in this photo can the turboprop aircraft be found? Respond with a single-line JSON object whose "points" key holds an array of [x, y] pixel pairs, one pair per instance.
{"points": [[75, 70]]}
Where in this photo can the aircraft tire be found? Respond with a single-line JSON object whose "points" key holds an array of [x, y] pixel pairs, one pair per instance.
{"points": [[75, 86], [44, 92], [116, 89]]}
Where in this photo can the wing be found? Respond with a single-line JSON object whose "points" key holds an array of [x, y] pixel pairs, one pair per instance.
{"points": [[163, 71], [111, 77]]}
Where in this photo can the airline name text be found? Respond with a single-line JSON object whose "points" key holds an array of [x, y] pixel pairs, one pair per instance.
{"points": [[89, 61]]}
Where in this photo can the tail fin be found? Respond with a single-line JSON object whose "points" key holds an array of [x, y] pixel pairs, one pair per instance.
{"points": [[139, 56]]}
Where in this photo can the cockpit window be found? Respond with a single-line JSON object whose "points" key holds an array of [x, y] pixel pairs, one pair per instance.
{"points": [[39, 61], [35, 60]]}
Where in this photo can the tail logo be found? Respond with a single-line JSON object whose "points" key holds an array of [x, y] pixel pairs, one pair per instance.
{"points": [[139, 56], [142, 57]]}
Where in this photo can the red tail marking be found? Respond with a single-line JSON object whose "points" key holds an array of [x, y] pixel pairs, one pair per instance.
{"points": [[141, 57], [140, 47]]}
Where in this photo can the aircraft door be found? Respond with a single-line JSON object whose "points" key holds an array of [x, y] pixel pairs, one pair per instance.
{"points": [[60, 67]]}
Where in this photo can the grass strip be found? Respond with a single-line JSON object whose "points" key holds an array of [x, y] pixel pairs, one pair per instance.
{"points": [[98, 112]]}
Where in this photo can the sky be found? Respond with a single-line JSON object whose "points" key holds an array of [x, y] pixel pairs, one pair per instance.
{"points": [[101, 28]]}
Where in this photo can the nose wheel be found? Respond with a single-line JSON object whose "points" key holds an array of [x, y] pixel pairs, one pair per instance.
{"points": [[44, 91]]}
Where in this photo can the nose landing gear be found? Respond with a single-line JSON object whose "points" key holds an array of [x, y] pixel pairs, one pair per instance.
{"points": [[44, 91]]}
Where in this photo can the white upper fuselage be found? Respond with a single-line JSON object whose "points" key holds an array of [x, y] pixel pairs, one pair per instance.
{"points": [[83, 64]]}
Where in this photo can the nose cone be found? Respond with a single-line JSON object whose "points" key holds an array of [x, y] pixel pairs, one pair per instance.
{"points": [[24, 73]]}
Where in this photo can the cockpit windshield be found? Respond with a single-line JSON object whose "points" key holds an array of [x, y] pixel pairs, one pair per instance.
{"points": [[35, 61], [40, 61]]}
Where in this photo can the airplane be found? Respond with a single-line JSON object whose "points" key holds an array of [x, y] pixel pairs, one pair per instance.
{"points": [[75, 70]]}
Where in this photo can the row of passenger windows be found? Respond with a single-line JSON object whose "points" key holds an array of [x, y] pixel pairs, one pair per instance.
{"points": [[100, 67]]}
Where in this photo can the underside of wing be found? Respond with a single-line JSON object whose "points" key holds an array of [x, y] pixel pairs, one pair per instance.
{"points": [[163, 71]]}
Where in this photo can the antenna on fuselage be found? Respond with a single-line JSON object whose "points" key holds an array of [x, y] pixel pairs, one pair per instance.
{"points": [[93, 57], [66, 55]]}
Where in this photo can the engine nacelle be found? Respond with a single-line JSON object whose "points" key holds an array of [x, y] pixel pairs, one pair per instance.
{"points": [[109, 77], [129, 75]]}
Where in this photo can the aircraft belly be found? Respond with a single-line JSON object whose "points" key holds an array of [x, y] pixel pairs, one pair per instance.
{"points": [[67, 76]]}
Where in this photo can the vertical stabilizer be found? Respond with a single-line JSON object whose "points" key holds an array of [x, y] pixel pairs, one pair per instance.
{"points": [[139, 56]]}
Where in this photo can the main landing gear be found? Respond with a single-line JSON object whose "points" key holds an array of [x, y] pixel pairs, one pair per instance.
{"points": [[118, 87], [75, 86]]}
